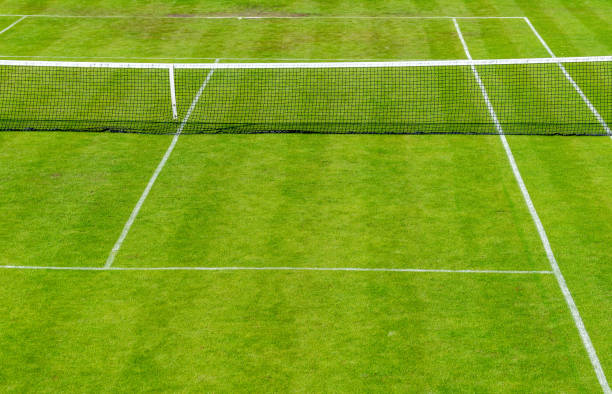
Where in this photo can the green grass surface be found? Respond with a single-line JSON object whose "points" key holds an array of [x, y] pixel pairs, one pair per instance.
{"points": [[232, 38], [567, 180], [573, 28], [298, 332], [5, 21], [370, 201], [66, 196], [483, 38], [336, 201]]}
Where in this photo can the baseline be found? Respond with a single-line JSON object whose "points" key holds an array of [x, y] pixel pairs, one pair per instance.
{"points": [[570, 79], [238, 268], [584, 335], [262, 16], [160, 166], [264, 59]]}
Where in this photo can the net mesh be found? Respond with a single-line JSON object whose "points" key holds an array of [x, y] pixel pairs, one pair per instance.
{"points": [[528, 97]]}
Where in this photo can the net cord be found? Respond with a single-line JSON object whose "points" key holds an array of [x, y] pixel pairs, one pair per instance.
{"points": [[429, 63]]}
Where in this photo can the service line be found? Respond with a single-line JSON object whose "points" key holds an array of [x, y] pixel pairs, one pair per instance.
{"points": [[262, 16], [238, 268]]}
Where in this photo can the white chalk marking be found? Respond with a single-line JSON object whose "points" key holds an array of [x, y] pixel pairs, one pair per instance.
{"points": [[267, 59], [584, 335], [160, 166], [355, 269], [241, 17], [13, 24]]}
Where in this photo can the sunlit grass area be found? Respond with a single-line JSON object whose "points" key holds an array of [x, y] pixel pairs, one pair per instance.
{"points": [[302, 201]]}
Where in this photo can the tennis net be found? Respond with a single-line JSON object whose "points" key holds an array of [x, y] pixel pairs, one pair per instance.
{"points": [[568, 96]]}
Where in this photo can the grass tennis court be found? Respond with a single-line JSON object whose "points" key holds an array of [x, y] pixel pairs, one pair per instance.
{"points": [[358, 262]]}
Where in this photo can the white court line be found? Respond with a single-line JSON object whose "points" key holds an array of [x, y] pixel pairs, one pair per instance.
{"points": [[584, 335], [160, 166], [262, 16], [352, 269], [275, 65], [201, 58], [13, 24], [570, 79]]}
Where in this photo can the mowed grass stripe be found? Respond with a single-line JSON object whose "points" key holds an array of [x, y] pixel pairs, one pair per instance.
{"points": [[330, 201], [340, 38], [560, 221], [12, 24], [577, 29], [500, 39], [147, 357], [66, 194], [286, 331], [569, 179]]}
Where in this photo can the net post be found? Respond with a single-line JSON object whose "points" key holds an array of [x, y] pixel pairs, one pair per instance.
{"points": [[172, 91]]}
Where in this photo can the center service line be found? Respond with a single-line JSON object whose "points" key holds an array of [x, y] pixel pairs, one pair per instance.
{"points": [[584, 335], [160, 166]]}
